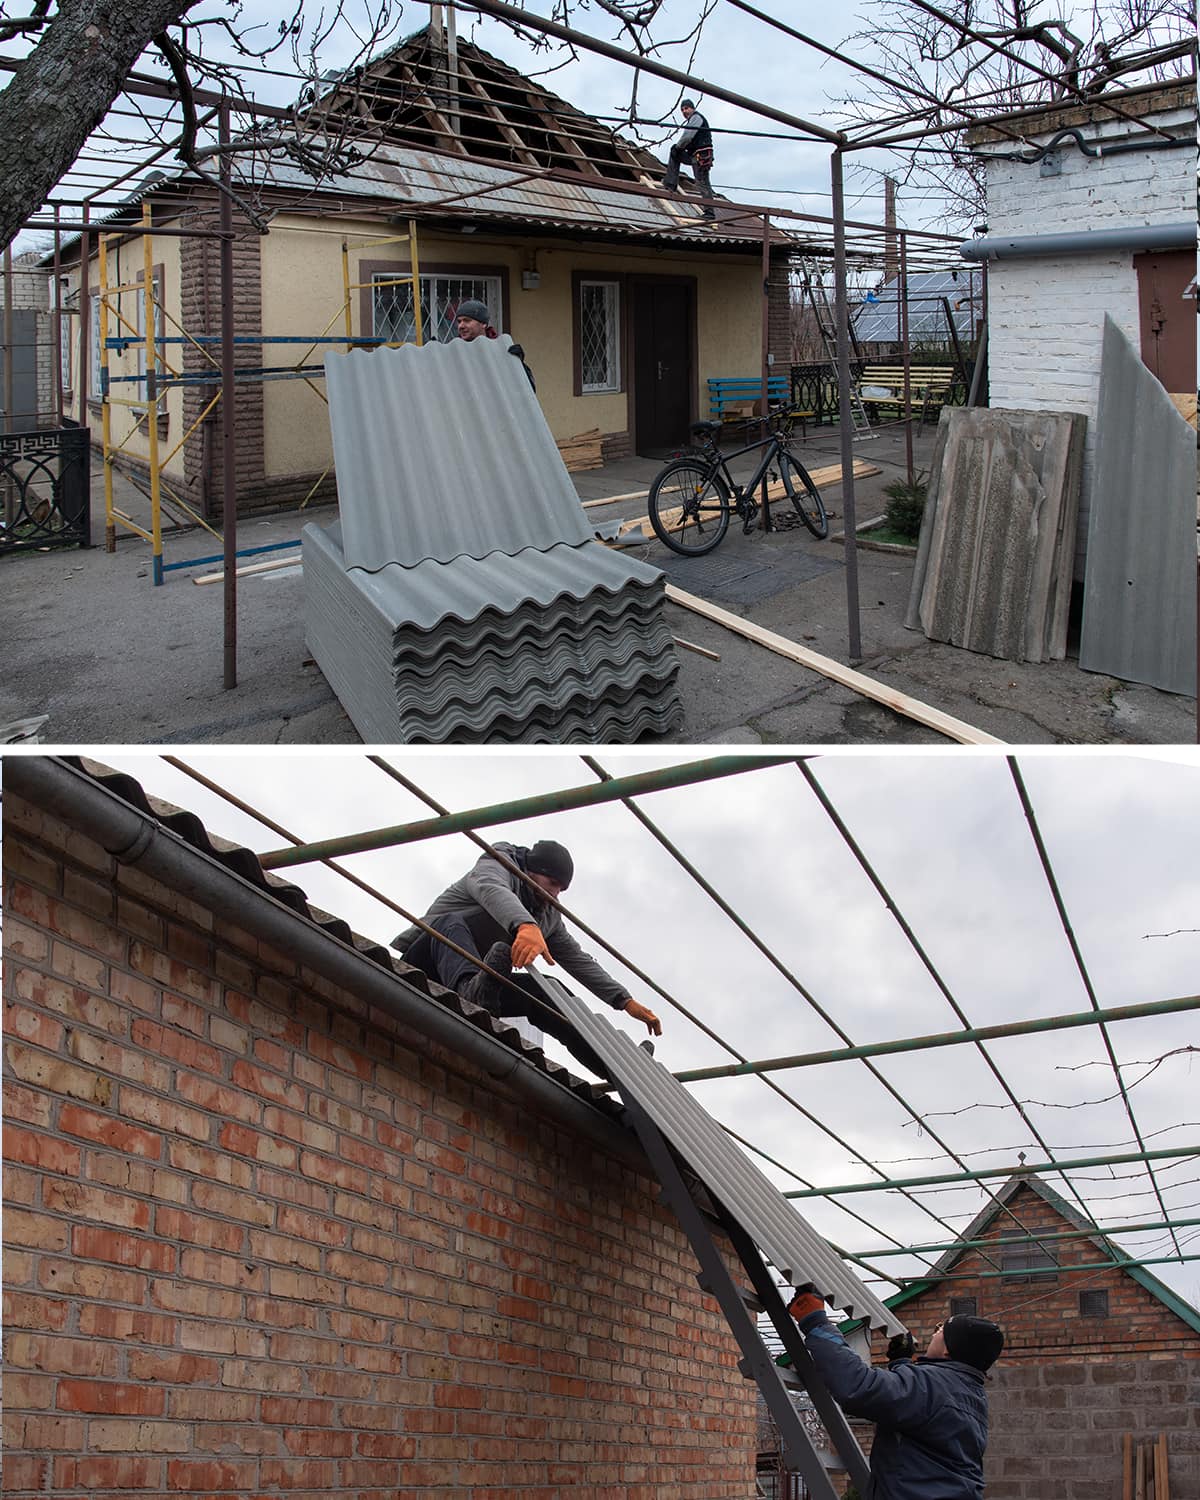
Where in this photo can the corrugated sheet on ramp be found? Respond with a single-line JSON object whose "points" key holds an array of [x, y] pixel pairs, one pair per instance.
{"points": [[796, 1250]]}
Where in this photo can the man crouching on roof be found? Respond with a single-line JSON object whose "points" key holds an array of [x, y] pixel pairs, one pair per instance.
{"points": [[501, 911]]}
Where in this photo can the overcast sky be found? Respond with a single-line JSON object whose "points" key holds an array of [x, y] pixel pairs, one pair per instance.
{"points": [[734, 50], [947, 838]]}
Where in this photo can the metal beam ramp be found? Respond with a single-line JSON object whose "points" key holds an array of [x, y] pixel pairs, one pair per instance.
{"points": [[705, 1176]]}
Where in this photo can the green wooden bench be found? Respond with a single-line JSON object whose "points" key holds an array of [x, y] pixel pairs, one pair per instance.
{"points": [[930, 388]]}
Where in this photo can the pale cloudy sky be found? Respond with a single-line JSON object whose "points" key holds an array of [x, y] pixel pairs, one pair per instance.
{"points": [[948, 839]]}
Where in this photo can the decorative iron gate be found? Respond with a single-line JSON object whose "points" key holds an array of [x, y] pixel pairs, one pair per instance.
{"points": [[45, 489]]}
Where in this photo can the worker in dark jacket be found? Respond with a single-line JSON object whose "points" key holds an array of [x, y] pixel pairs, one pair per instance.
{"points": [[695, 147], [503, 915], [930, 1413]]}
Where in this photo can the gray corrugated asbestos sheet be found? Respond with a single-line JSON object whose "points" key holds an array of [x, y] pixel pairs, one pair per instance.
{"points": [[461, 599], [1139, 599], [796, 1250], [443, 451]]}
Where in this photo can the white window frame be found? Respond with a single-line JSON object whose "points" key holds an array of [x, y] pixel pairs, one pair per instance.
{"points": [[612, 317]]}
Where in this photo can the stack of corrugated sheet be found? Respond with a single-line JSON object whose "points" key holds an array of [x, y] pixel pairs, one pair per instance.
{"points": [[461, 596]]}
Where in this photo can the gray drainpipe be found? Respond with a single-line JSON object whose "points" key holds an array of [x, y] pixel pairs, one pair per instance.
{"points": [[132, 838], [1082, 242]]}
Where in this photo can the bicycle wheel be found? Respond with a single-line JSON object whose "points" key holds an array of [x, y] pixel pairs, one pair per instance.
{"points": [[804, 495], [689, 507]]}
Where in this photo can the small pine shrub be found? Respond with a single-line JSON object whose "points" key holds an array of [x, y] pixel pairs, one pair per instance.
{"points": [[906, 505]]}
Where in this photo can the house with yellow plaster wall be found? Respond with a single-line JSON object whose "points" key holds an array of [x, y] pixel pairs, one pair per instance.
{"points": [[625, 300]]}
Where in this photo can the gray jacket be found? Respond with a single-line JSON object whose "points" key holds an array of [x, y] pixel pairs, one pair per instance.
{"points": [[489, 887]]}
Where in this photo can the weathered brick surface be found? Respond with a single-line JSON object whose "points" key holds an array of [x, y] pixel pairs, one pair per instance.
{"points": [[258, 1244]]}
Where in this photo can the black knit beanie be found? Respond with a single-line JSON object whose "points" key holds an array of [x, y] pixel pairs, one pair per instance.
{"points": [[473, 309], [974, 1341], [548, 858]]}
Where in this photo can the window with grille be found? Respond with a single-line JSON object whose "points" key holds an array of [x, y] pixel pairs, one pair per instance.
{"points": [[599, 336], [1093, 1304], [1035, 1263], [964, 1307], [393, 315]]}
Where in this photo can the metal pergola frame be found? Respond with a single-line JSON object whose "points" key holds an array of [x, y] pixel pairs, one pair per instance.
{"points": [[850, 238], [630, 791]]}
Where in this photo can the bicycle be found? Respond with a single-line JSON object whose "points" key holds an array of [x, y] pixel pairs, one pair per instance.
{"points": [[691, 500]]}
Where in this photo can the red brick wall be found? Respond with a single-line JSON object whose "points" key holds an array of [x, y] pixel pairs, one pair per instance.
{"points": [[259, 1240]]}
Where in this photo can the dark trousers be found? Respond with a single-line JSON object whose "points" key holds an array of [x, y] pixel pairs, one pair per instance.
{"points": [[475, 934], [679, 155]]}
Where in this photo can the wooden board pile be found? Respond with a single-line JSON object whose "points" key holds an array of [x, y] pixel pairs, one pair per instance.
{"points": [[1145, 1468], [583, 451]]}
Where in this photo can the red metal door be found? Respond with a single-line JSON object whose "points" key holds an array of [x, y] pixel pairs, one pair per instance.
{"points": [[1167, 317]]}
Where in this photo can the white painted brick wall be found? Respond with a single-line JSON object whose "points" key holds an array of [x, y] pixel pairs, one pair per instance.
{"points": [[1046, 316]]}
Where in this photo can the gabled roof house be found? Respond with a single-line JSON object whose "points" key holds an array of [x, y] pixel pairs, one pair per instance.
{"points": [[624, 299]]}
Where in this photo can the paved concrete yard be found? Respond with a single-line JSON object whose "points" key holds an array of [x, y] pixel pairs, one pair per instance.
{"points": [[88, 640]]}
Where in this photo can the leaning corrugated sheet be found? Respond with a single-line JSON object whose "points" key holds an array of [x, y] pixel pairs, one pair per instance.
{"points": [[1139, 596], [442, 451], [796, 1250], [461, 598]]}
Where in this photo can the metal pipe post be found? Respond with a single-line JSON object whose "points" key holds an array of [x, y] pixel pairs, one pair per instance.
{"points": [[846, 422], [907, 355], [85, 315], [228, 411], [58, 317], [150, 354]]}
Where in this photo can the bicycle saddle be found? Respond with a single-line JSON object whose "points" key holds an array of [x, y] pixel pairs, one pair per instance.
{"points": [[706, 429]]}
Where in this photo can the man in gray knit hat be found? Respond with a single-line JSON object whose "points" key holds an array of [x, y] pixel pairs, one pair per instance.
{"points": [[500, 911], [472, 321]]}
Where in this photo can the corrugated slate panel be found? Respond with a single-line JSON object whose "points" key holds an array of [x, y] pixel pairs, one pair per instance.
{"points": [[442, 451], [994, 563], [1139, 600], [771, 1221]]}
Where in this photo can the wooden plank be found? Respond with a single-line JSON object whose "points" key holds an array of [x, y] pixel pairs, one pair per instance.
{"points": [[1139, 1481], [262, 567], [612, 499], [699, 650], [1185, 405], [1127, 1466], [859, 682], [1162, 1469]]}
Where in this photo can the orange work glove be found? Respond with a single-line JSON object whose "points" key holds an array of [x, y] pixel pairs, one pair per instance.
{"points": [[806, 1307], [528, 945], [643, 1013]]}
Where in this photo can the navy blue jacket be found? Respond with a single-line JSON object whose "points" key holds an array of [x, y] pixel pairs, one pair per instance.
{"points": [[930, 1414]]}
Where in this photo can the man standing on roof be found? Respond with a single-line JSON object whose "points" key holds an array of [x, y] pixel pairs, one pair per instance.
{"points": [[473, 321], [931, 1412], [695, 147], [501, 911]]}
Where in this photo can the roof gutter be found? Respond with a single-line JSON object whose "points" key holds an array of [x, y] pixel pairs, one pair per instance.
{"points": [[135, 839], [1082, 242]]}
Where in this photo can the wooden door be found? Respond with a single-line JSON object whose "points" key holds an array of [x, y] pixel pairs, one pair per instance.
{"points": [[662, 317]]}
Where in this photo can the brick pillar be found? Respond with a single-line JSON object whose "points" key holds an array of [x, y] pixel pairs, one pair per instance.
{"points": [[201, 314]]}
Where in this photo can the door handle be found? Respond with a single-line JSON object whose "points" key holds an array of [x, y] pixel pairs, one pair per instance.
{"points": [[660, 369]]}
